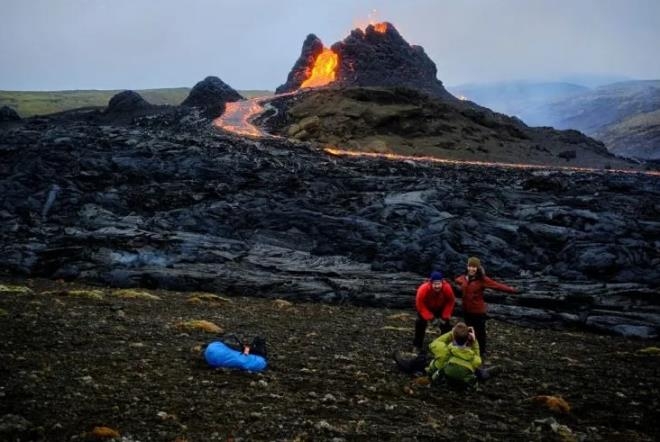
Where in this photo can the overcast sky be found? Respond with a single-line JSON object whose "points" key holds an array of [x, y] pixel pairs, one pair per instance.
{"points": [[252, 44]]}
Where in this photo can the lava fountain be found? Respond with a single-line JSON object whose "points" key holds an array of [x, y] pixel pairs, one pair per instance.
{"points": [[324, 70]]}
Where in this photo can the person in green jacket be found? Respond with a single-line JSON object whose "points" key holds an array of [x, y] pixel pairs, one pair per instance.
{"points": [[454, 358]]}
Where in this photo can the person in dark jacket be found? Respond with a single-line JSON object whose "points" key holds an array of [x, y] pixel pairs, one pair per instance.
{"points": [[434, 300], [472, 285]]}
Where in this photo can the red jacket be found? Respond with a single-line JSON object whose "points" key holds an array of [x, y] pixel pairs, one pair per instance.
{"points": [[429, 302], [473, 292]]}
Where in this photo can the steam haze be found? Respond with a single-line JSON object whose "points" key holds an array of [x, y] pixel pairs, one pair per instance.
{"points": [[252, 44]]}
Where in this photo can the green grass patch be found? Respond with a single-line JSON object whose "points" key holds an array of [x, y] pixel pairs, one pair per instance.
{"points": [[29, 103]]}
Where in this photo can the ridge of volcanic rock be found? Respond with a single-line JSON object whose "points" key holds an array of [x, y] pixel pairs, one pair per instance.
{"points": [[211, 94], [8, 114], [311, 48]]}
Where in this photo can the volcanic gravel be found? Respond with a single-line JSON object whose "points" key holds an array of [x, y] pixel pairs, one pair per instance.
{"points": [[73, 358]]}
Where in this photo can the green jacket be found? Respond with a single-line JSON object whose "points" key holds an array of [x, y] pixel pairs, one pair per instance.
{"points": [[452, 359]]}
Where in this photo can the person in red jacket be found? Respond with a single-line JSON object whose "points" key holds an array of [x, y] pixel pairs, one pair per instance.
{"points": [[472, 285], [434, 300]]}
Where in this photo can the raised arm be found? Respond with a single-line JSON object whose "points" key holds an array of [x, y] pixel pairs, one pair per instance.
{"points": [[492, 284]]}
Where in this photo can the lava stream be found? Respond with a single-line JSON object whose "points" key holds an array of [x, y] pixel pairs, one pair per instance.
{"points": [[395, 157], [238, 115]]}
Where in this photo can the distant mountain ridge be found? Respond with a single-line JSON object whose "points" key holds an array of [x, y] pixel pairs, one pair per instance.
{"points": [[622, 115], [636, 136], [517, 98]]}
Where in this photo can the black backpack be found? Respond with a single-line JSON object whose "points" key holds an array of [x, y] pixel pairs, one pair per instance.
{"points": [[257, 346]]}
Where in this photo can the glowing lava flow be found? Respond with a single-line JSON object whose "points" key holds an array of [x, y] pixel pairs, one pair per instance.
{"points": [[238, 115], [390, 156]]}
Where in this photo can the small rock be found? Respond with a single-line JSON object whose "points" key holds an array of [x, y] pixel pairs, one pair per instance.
{"points": [[87, 380]]}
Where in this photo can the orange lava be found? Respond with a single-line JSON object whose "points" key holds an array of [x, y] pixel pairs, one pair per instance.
{"points": [[390, 156], [324, 69], [238, 115], [380, 27]]}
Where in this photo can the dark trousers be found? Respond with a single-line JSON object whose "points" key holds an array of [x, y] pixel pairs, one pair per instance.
{"points": [[478, 322], [420, 331]]}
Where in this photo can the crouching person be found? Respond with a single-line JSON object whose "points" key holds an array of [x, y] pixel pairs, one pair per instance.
{"points": [[456, 357]]}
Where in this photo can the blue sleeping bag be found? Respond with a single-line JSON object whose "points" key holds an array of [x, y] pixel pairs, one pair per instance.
{"points": [[218, 354]]}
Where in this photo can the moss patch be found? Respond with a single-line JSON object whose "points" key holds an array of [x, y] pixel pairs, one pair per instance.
{"points": [[14, 289], [282, 304], [90, 294], [199, 324], [135, 294], [650, 351], [197, 298]]}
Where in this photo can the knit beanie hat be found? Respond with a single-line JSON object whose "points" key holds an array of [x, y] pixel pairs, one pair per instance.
{"points": [[473, 261], [436, 276]]}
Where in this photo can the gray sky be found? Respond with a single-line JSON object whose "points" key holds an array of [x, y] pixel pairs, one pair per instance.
{"points": [[252, 44]]}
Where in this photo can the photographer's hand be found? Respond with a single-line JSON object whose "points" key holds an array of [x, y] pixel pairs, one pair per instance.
{"points": [[471, 335]]}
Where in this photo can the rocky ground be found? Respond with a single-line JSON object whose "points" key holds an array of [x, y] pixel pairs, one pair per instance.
{"points": [[163, 200], [74, 358], [155, 199]]}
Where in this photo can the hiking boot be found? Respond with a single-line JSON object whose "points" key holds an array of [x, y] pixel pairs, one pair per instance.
{"points": [[413, 364], [483, 374], [401, 362]]}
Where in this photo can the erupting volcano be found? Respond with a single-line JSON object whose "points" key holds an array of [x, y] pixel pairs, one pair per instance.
{"points": [[375, 56], [375, 68]]}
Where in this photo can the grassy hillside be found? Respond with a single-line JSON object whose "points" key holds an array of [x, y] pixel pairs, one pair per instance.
{"points": [[28, 103], [404, 122]]}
